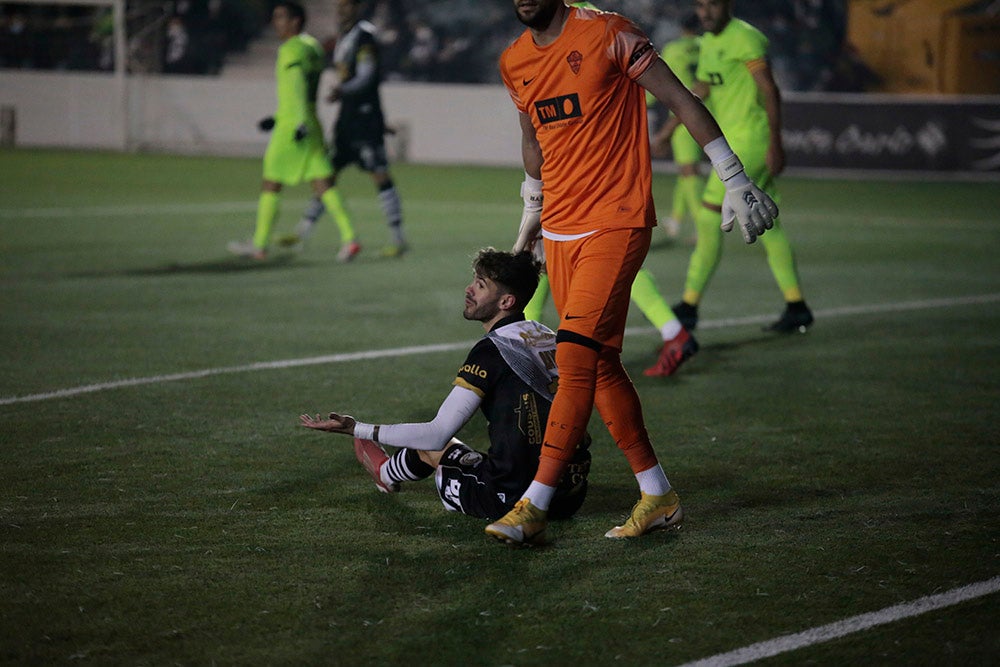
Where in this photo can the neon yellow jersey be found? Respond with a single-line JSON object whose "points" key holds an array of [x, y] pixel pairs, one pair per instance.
{"points": [[725, 64], [297, 72], [681, 56]]}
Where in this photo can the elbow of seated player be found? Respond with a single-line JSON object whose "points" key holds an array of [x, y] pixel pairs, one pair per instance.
{"points": [[441, 446]]}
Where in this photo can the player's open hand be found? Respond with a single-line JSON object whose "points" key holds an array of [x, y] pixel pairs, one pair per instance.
{"points": [[333, 424]]}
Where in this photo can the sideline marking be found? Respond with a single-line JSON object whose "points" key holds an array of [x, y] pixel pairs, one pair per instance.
{"points": [[259, 366], [824, 633], [450, 347], [133, 210]]}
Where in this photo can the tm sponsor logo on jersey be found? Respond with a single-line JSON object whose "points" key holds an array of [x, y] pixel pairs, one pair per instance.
{"points": [[555, 109], [473, 369]]}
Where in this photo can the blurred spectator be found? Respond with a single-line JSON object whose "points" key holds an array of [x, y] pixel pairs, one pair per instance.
{"points": [[178, 57], [102, 38], [215, 38], [421, 57], [81, 36], [391, 36], [16, 49], [421, 40]]}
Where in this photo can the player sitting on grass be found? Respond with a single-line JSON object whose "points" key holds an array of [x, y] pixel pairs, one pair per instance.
{"points": [[511, 375]]}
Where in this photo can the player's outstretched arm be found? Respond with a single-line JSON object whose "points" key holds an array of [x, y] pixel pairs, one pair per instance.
{"points": [[335, 423], [456, 410]]}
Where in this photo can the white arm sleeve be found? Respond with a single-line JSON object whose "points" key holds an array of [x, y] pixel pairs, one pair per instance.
{"points": [[455, 411]]}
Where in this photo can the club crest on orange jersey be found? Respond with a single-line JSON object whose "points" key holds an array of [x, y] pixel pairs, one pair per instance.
{"points": [[575, 59]]}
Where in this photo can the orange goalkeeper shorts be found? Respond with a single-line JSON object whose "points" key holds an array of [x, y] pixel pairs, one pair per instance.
{"points": [[591, 281]]}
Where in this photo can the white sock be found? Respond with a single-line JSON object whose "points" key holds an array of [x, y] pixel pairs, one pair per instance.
{"points": [[540, 495], [670, 330], [652, 481], [393, 212]]}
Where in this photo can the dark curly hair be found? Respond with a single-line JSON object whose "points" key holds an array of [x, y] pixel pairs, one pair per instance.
{"points": [[295, 10], [517, 273]]}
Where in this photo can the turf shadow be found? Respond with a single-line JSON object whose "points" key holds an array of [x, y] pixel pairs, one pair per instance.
{"points": [[708, 357], [222, 266]]}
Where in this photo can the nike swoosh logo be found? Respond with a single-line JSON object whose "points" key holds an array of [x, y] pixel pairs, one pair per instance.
{"points": [[528, 538], [525, 82], [573, 317]]}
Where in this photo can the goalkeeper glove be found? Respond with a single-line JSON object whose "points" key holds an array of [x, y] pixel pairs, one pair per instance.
{"points": [[744, 201], [531, 218], [266, 124], [301, 131]]}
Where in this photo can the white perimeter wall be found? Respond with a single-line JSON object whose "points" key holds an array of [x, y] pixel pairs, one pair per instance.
{"points": [[464, 124]]}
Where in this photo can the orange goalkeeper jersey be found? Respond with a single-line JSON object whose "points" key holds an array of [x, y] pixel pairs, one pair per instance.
{"points": [[590, 119]]}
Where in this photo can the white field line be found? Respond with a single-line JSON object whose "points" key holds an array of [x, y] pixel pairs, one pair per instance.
{"points": [[258, 366], [870, 309], [127, 210], [137, 210], [824, 633], [450, 347]]}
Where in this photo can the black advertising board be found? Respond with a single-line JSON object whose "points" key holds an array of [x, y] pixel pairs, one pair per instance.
{"points": [[877, 132]]}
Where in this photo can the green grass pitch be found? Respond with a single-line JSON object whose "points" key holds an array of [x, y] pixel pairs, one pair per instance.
{"points": [[187, 519]]}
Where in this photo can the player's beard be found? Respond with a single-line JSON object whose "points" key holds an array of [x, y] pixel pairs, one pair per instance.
{"points": [[542, 18], [480, 312]]}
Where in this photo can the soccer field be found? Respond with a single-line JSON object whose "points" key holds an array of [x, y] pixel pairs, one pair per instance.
{"points": [[160, 504]]}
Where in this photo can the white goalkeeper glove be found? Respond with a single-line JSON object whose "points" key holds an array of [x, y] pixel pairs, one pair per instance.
{"points": [[531, 218], [744, 201]]}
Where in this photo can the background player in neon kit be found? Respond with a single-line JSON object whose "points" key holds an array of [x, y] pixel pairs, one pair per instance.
{"points": [[576, 77], [510, 374], [295, 152], [358, 132], [734, 78]]}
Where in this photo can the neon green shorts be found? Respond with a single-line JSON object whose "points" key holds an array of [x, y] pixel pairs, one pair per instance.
{"points": [[754, 159], [291, 162], [685, 149]]}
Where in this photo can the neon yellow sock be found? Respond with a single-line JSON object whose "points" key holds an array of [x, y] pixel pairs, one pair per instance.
{"points": [[647, 296], [533, 311], [781, 259], [335, 206], [267, 213], [706, 255]]}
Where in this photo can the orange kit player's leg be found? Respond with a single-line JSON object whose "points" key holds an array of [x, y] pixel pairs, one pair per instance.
{"points": [[591, 280]]}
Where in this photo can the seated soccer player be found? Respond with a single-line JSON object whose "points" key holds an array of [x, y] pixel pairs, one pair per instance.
{"points": [[510, 374]]}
